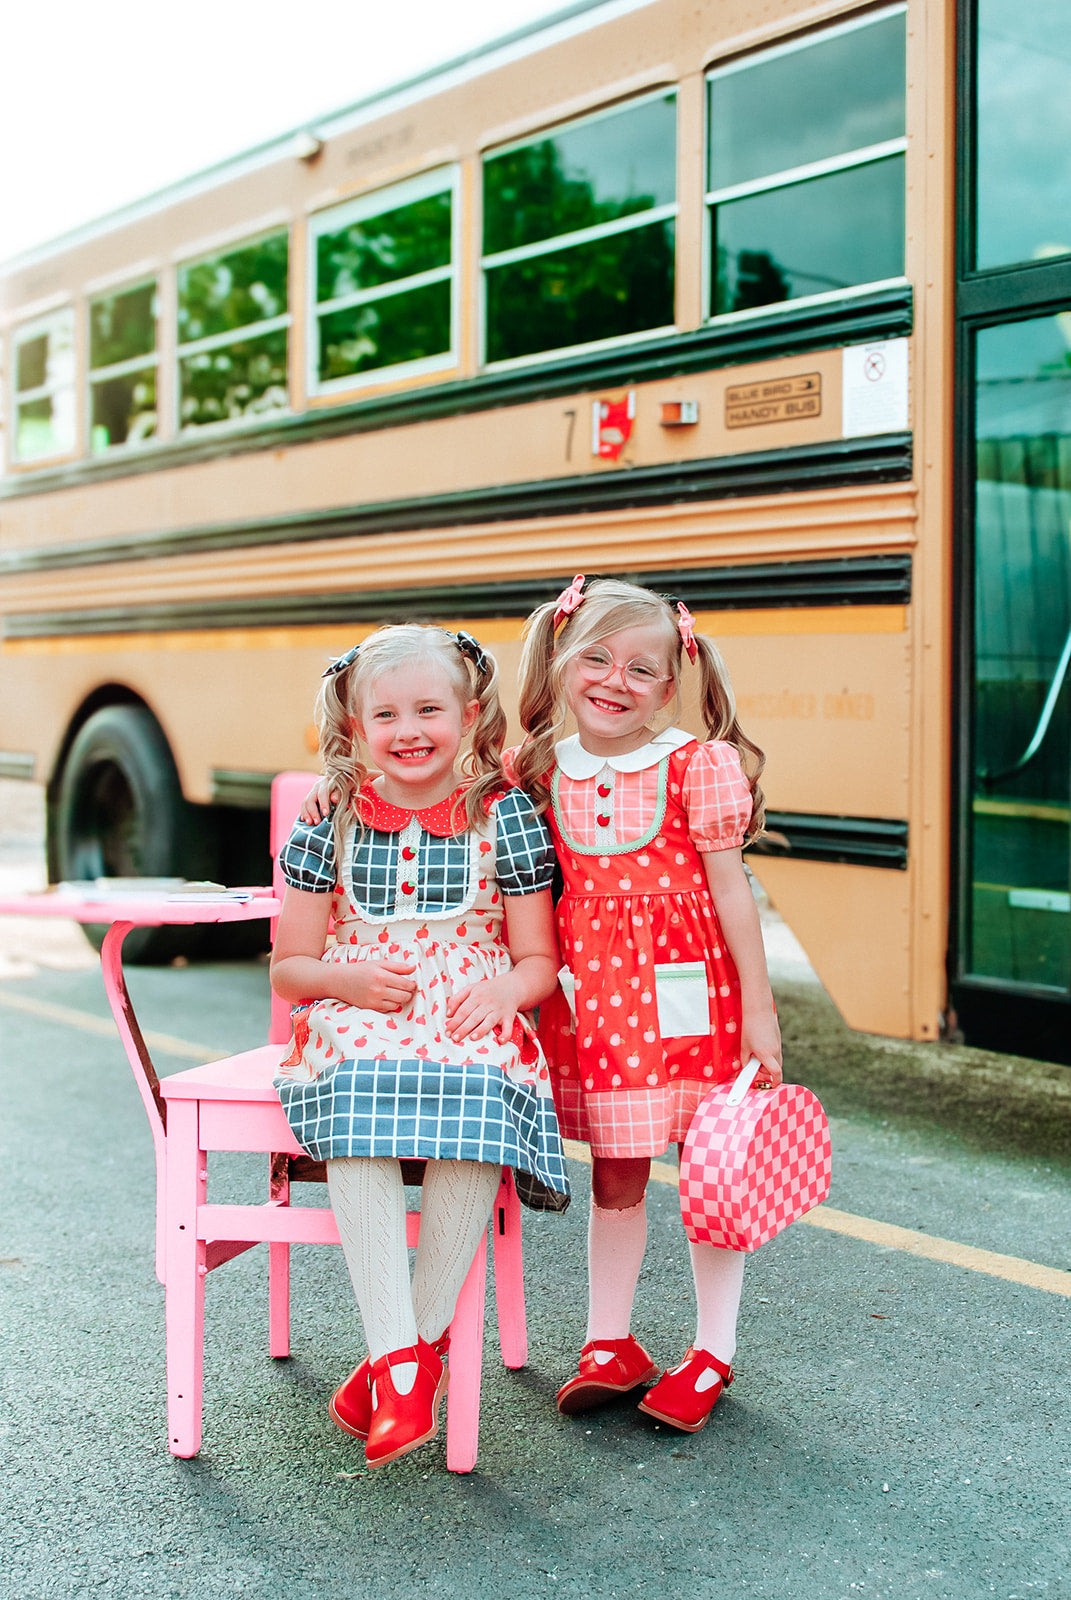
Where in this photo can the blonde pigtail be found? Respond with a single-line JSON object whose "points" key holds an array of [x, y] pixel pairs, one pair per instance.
{"points": [[339, 750], [484, 759], [718, 706], [539, 706]]}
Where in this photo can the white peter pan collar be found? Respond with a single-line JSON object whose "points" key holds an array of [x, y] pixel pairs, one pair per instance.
{"points": [[578, 763]]}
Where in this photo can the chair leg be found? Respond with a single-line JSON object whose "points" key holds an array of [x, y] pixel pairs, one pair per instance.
{"points": [[509, 1274], [184, 1293], [279, 1265], [466, 1363]]}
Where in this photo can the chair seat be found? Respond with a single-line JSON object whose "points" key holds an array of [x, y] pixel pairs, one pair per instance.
{"points": [[246, 1076]]}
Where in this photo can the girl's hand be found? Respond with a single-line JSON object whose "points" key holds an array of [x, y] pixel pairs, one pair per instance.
{"points": [[318, 802], [374, 985], [481, 1008], [761, 1036]]}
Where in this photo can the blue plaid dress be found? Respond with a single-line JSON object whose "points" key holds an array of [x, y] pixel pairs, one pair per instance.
{"points": [[413, 887]]}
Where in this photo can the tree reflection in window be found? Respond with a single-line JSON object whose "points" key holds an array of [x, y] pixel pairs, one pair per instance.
{"points": [[384, 281], [579, 233], [233, 331], [122, 367]]}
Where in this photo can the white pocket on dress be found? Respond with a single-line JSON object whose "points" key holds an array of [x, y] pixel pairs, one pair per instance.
{"points": [[683, 1002], [568, 983]]}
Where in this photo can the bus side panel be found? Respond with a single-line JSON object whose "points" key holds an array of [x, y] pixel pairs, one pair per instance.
{"points": [[855, 925]]}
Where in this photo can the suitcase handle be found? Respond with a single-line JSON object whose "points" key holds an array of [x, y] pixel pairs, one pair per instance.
{"points": [[743, 1081]]}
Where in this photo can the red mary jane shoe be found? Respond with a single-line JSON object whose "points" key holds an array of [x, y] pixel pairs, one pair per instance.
{"points": [[686, 1395], [350, 1407], [402, 1421], [624, 1363]]}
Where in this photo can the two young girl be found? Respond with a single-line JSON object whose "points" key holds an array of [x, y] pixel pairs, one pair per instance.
{"points": [[664, 973]]}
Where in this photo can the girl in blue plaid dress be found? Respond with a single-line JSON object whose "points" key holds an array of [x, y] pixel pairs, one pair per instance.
{"points": [[410, 1033]]}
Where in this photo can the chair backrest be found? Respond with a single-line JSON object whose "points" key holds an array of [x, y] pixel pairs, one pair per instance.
{"points": [[288, 789]]}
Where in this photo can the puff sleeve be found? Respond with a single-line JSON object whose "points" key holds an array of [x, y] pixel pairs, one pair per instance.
{"points": [[307, 859], [716, 797], [524, 851]]}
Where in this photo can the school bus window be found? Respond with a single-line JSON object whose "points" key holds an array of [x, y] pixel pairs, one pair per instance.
{"points": [[579, 232], [44, 388], [122, 368], [384, 282], [233, 325], [1024, 132], [805, 178]]}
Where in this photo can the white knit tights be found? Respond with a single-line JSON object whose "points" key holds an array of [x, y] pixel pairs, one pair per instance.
{"points": [[368, 1199]]}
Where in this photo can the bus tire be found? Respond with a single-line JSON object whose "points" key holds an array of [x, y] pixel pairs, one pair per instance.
{"points": [[120, 812]]}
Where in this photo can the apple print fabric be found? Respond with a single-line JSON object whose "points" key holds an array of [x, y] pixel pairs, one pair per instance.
{"points": [[421, 887], [647, 1019]]}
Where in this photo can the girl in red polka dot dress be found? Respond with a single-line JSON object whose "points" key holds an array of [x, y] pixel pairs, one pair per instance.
{"points": [[665, 990]]}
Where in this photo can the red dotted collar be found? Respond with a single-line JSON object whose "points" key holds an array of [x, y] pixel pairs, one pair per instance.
{"points": [[446, 820]]}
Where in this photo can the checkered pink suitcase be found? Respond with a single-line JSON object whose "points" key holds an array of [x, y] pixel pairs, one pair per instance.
{"points": [[753, 1163]]}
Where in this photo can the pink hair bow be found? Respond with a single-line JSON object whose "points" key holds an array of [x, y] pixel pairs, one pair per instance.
{"points": [[569, 599], [686, 624]]}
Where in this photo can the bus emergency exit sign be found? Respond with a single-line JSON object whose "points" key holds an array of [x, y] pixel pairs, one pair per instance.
{"points": [[749, 405]]}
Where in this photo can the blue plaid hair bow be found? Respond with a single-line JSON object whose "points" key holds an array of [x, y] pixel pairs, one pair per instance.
{"points": [[471, 648], [341, 663]]}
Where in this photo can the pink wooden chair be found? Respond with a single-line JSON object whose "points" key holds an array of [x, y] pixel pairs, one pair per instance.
{"points": [[231, 1105]]}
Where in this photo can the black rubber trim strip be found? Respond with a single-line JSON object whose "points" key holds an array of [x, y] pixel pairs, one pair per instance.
{"points": [[843, 581], [854, 841], [788, 330], [1014, 1018], [884, 458]]}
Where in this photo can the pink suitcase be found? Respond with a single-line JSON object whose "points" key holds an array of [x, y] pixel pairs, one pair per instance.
{"points": [[753, 1162]]}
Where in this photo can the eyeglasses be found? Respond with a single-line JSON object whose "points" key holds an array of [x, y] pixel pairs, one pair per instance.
{"points": [[641, 676]]}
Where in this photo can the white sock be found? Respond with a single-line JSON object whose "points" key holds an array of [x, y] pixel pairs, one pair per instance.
{"points": [[616, 1243], [719, 1278], [368, 1199], [454, 1207]]}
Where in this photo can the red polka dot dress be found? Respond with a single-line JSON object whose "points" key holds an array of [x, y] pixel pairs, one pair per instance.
{"points": [[648, 1015]]}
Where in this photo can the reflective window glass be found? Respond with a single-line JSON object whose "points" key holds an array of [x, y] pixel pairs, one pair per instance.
{"points": [[1024, 131], [234, 289], [384, 287], [605, 289], [612, 177], [808, 238], [1020, 817], [384, 248], [838, 94], [122, 360], [781, 233], [595, 172], [122, 326], [385, 333], [122, 410], [44, 388], [247, 378], [31, 363]]}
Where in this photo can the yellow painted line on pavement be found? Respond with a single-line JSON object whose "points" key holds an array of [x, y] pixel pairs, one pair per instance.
{"points": [[104, 1027], [1012, 1268]]}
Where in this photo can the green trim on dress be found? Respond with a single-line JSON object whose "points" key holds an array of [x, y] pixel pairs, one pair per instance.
{"points": [[614, 849]]}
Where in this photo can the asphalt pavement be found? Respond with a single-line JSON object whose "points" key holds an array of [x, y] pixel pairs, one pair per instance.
{"points": [[899, 1425]]}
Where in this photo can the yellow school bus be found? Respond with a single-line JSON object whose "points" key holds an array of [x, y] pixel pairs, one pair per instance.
{"points": [[765, 303]]}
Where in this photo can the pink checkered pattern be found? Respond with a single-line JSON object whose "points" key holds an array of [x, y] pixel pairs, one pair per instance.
{"points": [[749, 1170]]}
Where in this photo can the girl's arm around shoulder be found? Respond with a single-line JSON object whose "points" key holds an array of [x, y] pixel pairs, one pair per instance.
{"points": [[298, 971], [742, 931]]}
